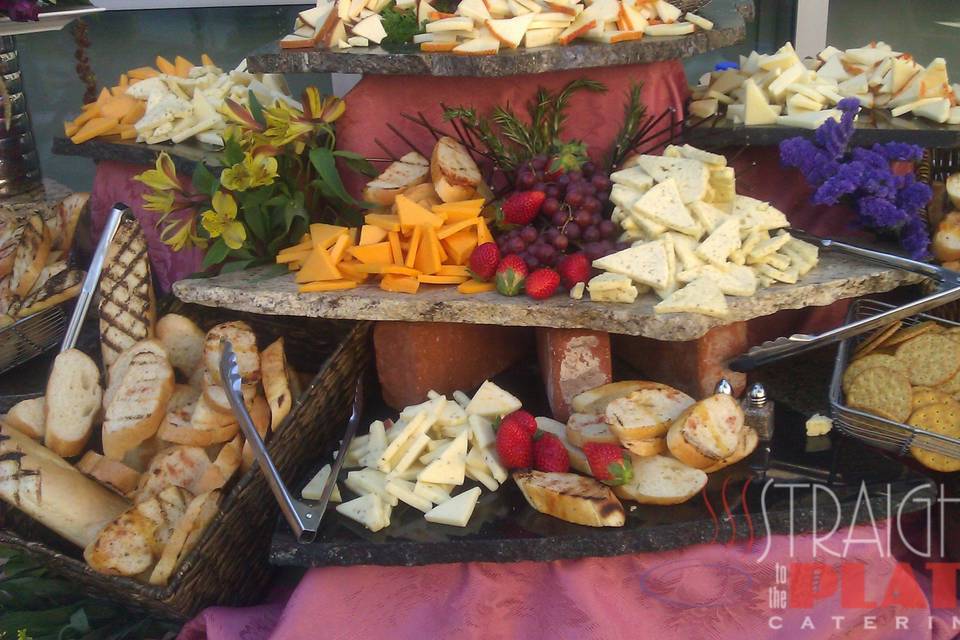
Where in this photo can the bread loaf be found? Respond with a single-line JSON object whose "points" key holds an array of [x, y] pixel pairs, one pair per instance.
{"points": [[139, 403], [127, 305], [72, 402], [27, 417]]}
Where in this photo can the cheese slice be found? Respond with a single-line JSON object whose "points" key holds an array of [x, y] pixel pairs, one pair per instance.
{"points": [[376, 444], [459, 23], [456, 511], [474, 9], [685, 249], [314, 488], [709, 216], [450, 467], [368, 510], [364, 481], [510, 31], [700, 296], [675, 29], [663, 204], [635, 178], [609, 282], [778, 87], [435, 493], [492, 402], [370, 28], [691, 176], [452, 414], [721, 243], [757, 110], [404, 491], [410, 454], [482, 432], [410, 433], [645, 263], [492, 462], [768, 247]]}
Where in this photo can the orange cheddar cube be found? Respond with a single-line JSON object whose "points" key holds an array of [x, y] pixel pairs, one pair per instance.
{"points": [[370, 234], [460, 245], [165, 66], [386, 221], [396, 251], [206, 60], [428, 260], [379, 253], [324, 235], [454, 270], [483, 233], [413, 247], [293, 256], [412, 214], [459, 211], [351, 271], [330, 285], [476, 286], [451, 229], [401, 284], [387, 269], [318, 266], [93, 128], [142, 73], [182, 66], [437, 279], [339, 248]]}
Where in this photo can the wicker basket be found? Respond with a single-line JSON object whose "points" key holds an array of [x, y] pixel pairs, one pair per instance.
{"points": [[936, 165], [229, 565]]}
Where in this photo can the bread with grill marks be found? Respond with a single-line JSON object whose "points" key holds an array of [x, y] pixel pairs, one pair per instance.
{"points": [[139, 403]]}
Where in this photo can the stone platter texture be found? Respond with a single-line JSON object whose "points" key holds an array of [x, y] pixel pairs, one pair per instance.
{"points": [[835, 278], [729, 17], [185, 156]]}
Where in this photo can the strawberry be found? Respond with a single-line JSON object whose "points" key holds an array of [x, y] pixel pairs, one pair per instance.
{"points": [[549, 454], [484, 260], [511, 274], [573, 268], [542, 283], [514, 445], [524, 419], [608, 463], [522, 207]]}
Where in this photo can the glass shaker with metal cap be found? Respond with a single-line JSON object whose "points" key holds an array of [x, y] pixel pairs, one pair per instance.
{"points": [[758, 411]]}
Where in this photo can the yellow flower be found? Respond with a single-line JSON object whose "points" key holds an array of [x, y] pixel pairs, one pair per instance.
{"points": [[253, 171], [176, 235], [163, 178], [221, 221], [321, 108], [160, 202]]}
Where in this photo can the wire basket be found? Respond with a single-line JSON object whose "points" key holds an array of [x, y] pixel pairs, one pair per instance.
{"points": [[29, 337], [881, 432]]}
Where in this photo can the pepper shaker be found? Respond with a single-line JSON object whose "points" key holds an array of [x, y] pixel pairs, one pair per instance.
{"points": [[724, 387], [758, 411]]}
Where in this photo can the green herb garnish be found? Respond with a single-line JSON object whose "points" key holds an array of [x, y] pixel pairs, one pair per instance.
{"points": [[400, 24]]}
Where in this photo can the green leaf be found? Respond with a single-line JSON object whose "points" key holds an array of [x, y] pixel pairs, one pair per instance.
{"points": [[256, 109], [272, 271], [232, 152], [257, 220], [294, 209], [204, 181], [236, 265], [357, 163], [216, 253], [324, 162]]}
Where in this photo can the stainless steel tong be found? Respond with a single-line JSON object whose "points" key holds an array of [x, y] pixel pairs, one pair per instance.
{"points": [[948, 290], [302, 517]]}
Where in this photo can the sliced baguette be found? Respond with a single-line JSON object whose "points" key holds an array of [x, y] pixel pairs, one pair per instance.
{"points": [[32, 252], [118, 370], [179, 466], [216, 396], [583, 428], [707, 432], [661, 480], [165, 510], [410, 170], [69, 213], [183, 395], [140, 456], [571, 497], [276, 385], [453, 171], [27, 417], [200, 512], [183, 341], [127, 305], [72, 403], [647, 412], [177, 427], [206, 418], [260, 415], [58, 287], [596, 400], [244, 343], [645, 447], [124, 547], [224, 466], [10, 233], [748, 443], [139, 404], [112, 474]]}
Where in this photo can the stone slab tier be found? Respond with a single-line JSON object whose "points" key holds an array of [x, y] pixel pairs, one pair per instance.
{"points": [[729, 17], [836, 277], [185, 156]]}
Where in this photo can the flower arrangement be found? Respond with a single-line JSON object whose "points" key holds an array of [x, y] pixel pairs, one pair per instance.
{"points": [[279, 173], [886, 201]]}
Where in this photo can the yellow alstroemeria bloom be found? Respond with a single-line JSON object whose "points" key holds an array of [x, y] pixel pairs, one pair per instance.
{"points": [[160, 202], [253, 171], [163, 178], [220, 222], [177, 235]]}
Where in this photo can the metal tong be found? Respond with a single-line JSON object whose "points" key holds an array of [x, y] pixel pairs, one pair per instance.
{"points": [[948, 290], [303, 518]]}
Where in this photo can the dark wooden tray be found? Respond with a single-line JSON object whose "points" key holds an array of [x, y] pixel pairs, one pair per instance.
{"points": [[185, 155]]}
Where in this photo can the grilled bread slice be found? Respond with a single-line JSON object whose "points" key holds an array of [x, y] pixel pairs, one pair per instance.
{"points": [[110, 473], [596, 400], [747, 445], [276, 385], [179, 466], [216, 396], [183, 341], [127, 305], [224, 466], [72, 402], [244, 343], [410, 170], [10, 233], [118, 370], [645, 446], [647, 412], [32, 252], [707, 432], [126, 546], [200, 512], [183, 395], [69, 212], [27, 417], [165, 510], [138, 405], [177, 427], [58, 287], [454, 173], [661, 480], [571, 497], [584, 427]]}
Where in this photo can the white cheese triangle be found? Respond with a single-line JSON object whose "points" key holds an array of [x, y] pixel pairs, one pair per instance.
{"points": [[456, 511], [491, 401], [663, 204], [700, 296], [314, 488], [709, 216], [368, 510], [691, 176], [450, 467], [757, 110], [645, 263], [721, 243]]}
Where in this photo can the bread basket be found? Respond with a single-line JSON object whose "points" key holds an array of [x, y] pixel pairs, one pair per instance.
{"points": [[229, 565]]}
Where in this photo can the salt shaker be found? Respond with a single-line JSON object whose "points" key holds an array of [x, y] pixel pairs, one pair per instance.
{"points": [[724, 387], [758, 411]]}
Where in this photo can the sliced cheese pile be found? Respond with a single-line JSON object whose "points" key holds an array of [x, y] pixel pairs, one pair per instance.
{"points": [[421, 458], [175, 102], [783, 89], [481, 27], [694, 239]]}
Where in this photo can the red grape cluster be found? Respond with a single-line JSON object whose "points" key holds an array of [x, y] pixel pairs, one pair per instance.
{"points": [[574, 215]]}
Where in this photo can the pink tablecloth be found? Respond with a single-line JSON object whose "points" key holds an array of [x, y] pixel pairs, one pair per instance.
{"points": [[709, 592]]}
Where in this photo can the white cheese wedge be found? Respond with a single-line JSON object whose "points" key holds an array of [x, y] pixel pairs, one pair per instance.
{"points": [[646, 263], [634, 18], [608, 282], [768, 247], [364, 481], [685, 249], [316, 16], [411, 432], [576, 292], [663, 205], [757, 111], [799, 102], [492, 462], [667, 12], [788, 276], [403, 491], [358, 41], [376, 445], [700, 21], [714, 160], [456, 511], [635, 178], [700, 296], [314, 488], [541, 37], [936, 109], [869, 56], [371, 28], [481, 430], [491, 401], [724, 240], [810, 120], [675, 29], [410, 454], [368, 510], [424, 9], [435, 453], [450, 467], [779, 86], [510, 31], [474, 9], [487, 46], [459, 23], [451, 415], [626, 295], [691, 176], [481, 476], [784, 58], [435, 493], [709, 216]]}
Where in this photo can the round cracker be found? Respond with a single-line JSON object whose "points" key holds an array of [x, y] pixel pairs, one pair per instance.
{"points": [[881, 391], [871, 361], [908, 333], [931, 359], [922, 396], [951, 386], [875, 340], [944, 419]]}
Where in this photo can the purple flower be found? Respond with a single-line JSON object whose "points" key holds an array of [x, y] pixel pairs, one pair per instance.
{"points": [[879, 213], [20, 10], [914, 196], [915, 238], [899, 151]]}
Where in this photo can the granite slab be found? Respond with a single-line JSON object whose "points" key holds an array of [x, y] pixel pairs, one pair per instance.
{"points": [[729, 17], [835, 278], [185, 155]]}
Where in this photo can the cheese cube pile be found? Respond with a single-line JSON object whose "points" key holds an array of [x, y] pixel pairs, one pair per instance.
{"points": [[694, 239], [421, 458], [416, 245], [175, 102], [783, 89], [481, 27]]}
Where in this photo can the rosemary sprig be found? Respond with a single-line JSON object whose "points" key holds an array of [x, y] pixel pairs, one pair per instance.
{"points": [[633, 114]]}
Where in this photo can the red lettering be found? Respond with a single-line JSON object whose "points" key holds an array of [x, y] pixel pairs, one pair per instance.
{"points": [[944, 583], [903, 590], [853, 594], [810, 581]]}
